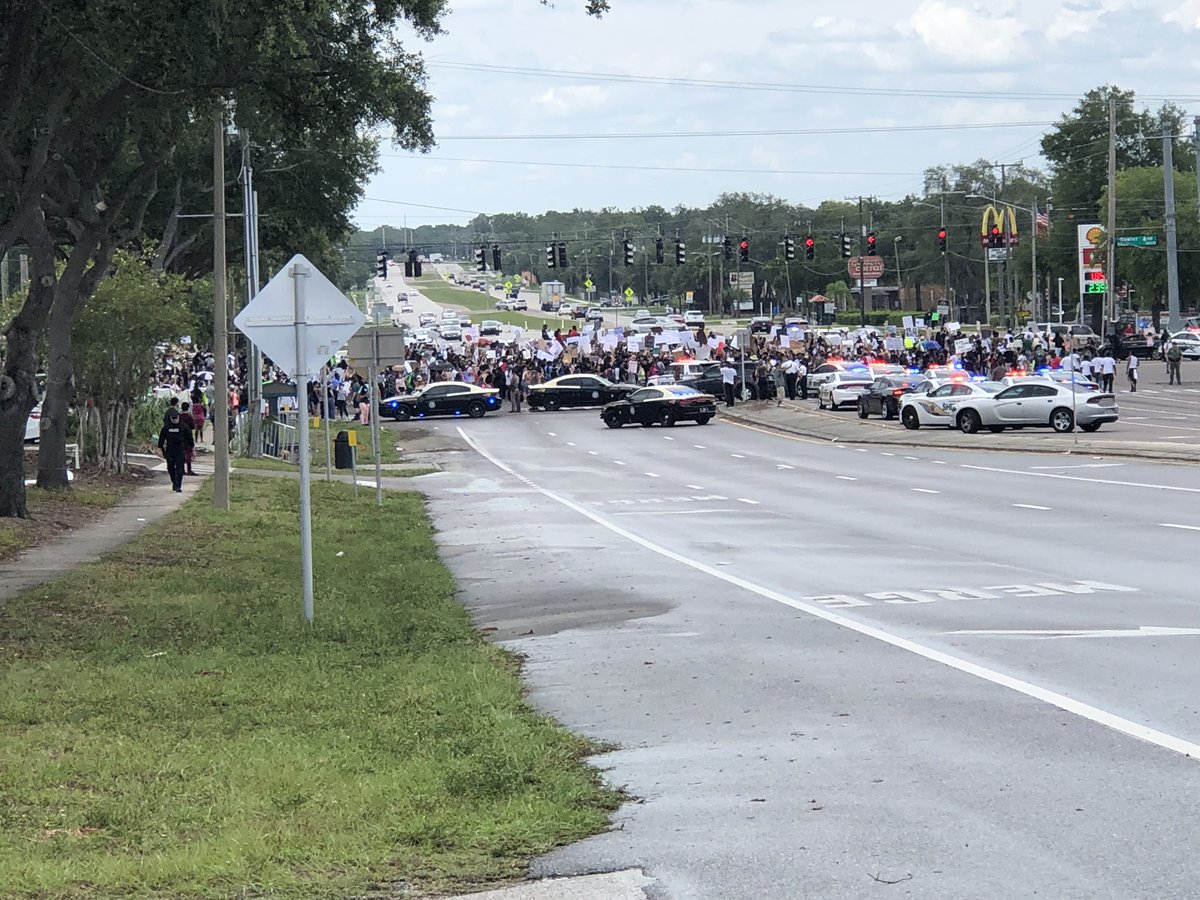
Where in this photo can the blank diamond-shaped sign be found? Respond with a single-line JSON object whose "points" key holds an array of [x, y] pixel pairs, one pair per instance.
{"points": [[270, 319]]}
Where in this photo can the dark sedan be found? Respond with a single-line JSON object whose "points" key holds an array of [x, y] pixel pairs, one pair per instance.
{"points": [[448, 398], [883, 397], [665, 405], [577, 390]]}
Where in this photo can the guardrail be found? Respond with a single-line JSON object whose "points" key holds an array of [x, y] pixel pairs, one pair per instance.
{"points": [[280, 439]]}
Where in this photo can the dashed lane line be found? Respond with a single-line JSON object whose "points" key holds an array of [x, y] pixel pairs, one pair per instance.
{"points": [[846, 478], [737, 456], [925, 491], [1112, 481], [744, 500], [1031, 506], [650, 475], [1184, 527]]}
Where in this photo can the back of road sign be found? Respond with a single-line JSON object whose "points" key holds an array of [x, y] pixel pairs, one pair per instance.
{"points": [[269, 320]]}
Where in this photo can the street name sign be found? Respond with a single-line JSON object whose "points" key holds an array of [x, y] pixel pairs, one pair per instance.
{"points": [[1137, 240]]}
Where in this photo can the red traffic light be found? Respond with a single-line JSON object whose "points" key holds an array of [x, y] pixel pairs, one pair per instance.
{"points": [[942, 234], [995, 229], [745, 245], [809, 242]]}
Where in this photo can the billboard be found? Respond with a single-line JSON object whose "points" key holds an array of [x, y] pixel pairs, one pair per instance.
{"points": [[1093, 244]]}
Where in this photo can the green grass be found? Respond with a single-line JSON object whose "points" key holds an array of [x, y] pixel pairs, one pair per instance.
{"points": [[170, 729]]}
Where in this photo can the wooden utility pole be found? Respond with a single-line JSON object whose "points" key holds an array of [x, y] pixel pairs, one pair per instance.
{"points": [[220, 410]]}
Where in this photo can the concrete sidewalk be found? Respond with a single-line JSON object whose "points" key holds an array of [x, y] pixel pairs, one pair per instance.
{"points": [[845, 427], [122, 523]]}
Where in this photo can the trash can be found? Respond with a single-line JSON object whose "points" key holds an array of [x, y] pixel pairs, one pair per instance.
{"points": [[343, 453]]}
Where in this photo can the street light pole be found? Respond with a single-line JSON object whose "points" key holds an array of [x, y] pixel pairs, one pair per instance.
{"points": [[899, 274]]}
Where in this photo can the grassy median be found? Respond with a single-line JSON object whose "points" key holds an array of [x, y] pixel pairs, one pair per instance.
{"points": [[169, 728]]}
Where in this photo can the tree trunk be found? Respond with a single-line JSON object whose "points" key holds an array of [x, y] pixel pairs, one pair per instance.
{"points": [[116, 427], [52, 451]]}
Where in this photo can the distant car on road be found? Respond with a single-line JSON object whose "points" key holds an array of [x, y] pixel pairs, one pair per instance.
{"points": [[594, 314], [1032, 404], [489, 327], [569, 391], [426, 318], [451, 332], [406, 307], [504, 304], [843, 387], [451, 398], [693, 318], [883, 397], [761, 324], [937, 405], [665, 405], [519, 302]]}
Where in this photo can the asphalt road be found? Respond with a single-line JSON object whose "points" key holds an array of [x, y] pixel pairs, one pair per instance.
{"points": [[827, 665]]}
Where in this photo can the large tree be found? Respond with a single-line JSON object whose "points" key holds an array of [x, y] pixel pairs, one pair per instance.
{"points": [[95, 100]]}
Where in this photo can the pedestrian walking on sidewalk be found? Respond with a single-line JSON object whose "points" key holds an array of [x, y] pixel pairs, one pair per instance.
{"points": [[174, 441], [186, 420], [1131, 372], [728, 380]]}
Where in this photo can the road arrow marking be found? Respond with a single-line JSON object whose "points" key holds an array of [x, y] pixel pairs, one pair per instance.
{"points": [[1144, 631]]}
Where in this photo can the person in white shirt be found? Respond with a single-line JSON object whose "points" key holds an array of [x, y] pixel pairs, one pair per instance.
{"points": [[1108, 371], [728, 381], [791, 369], [1131, 372]]}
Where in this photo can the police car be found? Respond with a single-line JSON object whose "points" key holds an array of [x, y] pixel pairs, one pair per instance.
{"points": [[938, 405], [843, 387]]}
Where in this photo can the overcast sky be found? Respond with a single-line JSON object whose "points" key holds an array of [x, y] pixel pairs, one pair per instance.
{"points": [[518, 70]]}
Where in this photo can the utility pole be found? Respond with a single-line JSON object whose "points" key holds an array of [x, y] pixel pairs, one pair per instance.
{"points": [[946, 263], [1196, 146], [220, 320], [1173, 318], [1111, 295], [862, 291], [250, 245]]}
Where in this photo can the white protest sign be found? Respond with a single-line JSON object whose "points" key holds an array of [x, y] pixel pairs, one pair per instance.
{"points": [[962, 345]]}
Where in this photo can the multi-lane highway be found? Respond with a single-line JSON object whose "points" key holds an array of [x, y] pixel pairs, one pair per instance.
{"points": [[971, 674]]}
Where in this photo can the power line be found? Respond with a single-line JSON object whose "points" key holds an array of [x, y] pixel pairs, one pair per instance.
{"points": [[675, 81], [877, 129]]}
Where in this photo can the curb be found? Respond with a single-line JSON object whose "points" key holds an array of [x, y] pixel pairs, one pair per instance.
{"points": [[891, 439]]}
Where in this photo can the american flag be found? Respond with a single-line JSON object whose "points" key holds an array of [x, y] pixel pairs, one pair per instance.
{"points": [[1043, 219]]}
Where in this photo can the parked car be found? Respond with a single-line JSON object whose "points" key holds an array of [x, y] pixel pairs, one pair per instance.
{"points": [[1033, 404], [883, 398], [761, 324], [442, 399]]}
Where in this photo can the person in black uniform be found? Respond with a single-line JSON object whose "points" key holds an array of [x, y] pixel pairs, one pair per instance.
{"points": [[174, 441]]}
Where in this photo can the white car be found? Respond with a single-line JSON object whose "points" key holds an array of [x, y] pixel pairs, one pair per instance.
{"points": [[822, 373], [426, 318], [1189, 343], [449, 315], [566, 311], [843, 387], [489, 326], [421, 336], [406, 307], [504, 304], [33, 425], [937, 406], [594, 314], [520, 303], [693, 318], [1032, 404], [451, 332]]}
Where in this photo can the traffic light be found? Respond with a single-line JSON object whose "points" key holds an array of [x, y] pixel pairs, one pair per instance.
{"points": [[728, 248], [810, 248], [744, 250], [995, 238], [628, 245], [871, 251], [496, 257], [480, 259], [789, 248], [562, 254], [847, 247], [551, 256], [680, 252], [381, 264], [658, 250], [942, 241]]}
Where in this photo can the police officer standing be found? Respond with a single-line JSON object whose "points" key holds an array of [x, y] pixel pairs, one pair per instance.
{"points": [[174, 441]]}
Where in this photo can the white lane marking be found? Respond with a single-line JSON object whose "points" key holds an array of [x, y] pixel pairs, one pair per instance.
{"points": [[1141, 484], [744, 500], [618, 462], [1030, 506], [674, 512], [1028, 689], [699, 446], [861, 450], [846, 478], [695, 487], [552, 434], [737, 456], [1184, 527], [569, 444], [1051, 634], [888, 454], [593, 453], [665, 438], [925, 491], [912, 457], [1175, 437], [938, 462], [1082, 466], [649, 474], [782, 466]]}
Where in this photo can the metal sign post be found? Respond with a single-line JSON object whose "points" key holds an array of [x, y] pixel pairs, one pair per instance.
{"points": [[298, 273], [376, 397], [328, 426]]}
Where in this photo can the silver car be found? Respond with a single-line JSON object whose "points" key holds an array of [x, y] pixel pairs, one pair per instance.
{"points": [[1032, 404], [843, 387]]}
